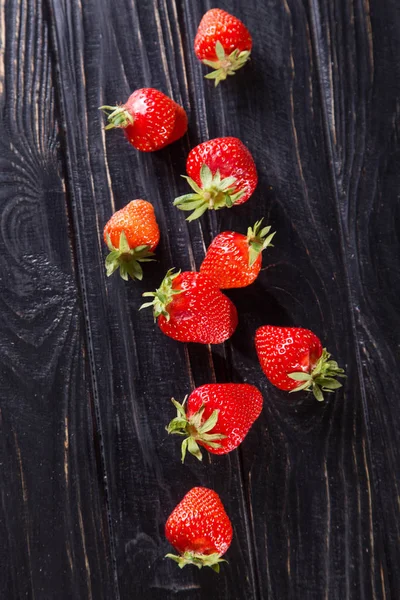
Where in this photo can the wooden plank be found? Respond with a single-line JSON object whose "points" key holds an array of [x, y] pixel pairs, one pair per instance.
{"points": [[53, 520]]}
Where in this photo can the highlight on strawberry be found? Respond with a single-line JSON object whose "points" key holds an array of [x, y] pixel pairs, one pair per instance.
{"points": [[199, 529], [217, 416], [293, 360], [233, 260], [189, 307], [223, 43], [150, 119], [131, 235], [221, 173]]}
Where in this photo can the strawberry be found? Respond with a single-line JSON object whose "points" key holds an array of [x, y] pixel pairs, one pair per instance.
{"points": [[293, 359], [199, 529], [221, 172], [217, 417], [190, 308], [223, 43], [131, 235], [234, 260], [149, 118]]}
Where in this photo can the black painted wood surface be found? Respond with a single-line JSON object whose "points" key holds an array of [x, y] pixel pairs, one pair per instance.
{"points": [[88, 475]]}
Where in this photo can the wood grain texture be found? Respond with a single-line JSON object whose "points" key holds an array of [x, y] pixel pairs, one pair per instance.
{"points": [[53, 519], [313, 492]]}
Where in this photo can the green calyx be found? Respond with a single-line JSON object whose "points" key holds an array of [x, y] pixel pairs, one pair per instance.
{"points": [[197, 559], [214, 193], [117, 116], [194, 429], [322, 377], [163, 296], [227, 64], [258, 238], [126, 259]]}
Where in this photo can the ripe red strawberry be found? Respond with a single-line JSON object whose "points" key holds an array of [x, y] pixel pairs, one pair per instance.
{"points": [[223, 43], [221, 172], [150, 119], [190, 308], [199, 529], [233, 260], [217, 417], [293, 359], [131, 235]]}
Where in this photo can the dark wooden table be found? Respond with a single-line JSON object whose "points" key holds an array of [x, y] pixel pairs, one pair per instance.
{"points": [[88, 474]]}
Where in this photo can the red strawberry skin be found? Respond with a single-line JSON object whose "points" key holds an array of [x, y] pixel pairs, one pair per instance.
{"points": [[201, 313], [227, 261], [199, 524], [180, 126], [238, 405], [220, 26], [231, 158], [283, 350]]}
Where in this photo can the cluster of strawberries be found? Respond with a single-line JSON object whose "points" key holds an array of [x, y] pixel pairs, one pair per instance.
{"points": [[190, 306]]}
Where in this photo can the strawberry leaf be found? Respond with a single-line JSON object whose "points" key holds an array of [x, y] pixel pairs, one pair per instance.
{"points": [[321, 379], [197, 559], [219, 51], [258, 240], [197, 213], [225, 64], [300, 376], [163, 296], [117, 116], [210, 423], [194, 449], [193, 185]]}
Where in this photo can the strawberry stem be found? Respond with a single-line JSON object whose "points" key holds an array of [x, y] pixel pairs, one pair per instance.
{"points": [[198, 559], [117, 116], [321, 379], [225, 64], [163, 296], [126, 259], [258, 240], [195, 429], [213, 194]]}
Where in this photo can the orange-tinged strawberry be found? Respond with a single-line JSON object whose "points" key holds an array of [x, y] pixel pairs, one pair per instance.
{"points": [[221, 173], [223, 43], [233, 260], [199, 529], [190, 308], [131, 235], [293, 359], [151, 120], [216, 416]]}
